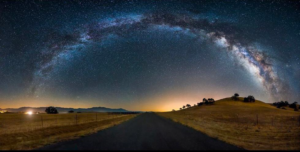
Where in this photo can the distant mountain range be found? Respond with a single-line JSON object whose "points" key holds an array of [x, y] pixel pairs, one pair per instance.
{"points": [[65, 110]]}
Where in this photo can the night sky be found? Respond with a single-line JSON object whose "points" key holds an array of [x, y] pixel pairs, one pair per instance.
{"points": [[147, 55]]}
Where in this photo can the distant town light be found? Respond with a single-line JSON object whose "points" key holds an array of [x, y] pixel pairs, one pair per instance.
{"points": [[29, 113]]}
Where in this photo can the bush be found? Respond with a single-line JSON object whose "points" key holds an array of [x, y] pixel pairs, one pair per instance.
{"points": [[296, 108], [235, 97], [199, 103], [293, 105], [249, 99], [51, 110], [281, 104]]}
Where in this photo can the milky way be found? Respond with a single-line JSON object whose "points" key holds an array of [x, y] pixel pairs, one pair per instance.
{"points": [[254, 60], [130, 53]]}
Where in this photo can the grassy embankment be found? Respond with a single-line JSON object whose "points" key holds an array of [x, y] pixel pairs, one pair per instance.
{"points": [[235, 122], [25, 132]]}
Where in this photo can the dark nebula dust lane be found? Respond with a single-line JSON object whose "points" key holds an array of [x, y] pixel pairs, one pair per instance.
{"points": [[151, 54]]}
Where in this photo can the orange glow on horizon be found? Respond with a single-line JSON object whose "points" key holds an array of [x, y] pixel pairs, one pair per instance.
{"points": [[165, 101]]}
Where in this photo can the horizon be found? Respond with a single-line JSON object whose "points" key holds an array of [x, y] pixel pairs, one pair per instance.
{"points": [[177, 108]]}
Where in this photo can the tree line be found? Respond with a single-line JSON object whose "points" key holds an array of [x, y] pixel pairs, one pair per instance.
{"points": [[210, 101], [283, 104]]}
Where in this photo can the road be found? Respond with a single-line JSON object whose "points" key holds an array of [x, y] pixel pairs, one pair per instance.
{"points": [[147, 131]]}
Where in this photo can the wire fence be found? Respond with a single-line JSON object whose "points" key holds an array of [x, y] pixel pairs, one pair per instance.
{"points": [[14, 123], [248, 119], [261, 120]]}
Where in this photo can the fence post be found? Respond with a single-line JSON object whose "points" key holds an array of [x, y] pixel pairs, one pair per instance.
{"points": [[76, 118], [272, 121], [96, 117], [42, 121], [299, 121], [256, 120]]}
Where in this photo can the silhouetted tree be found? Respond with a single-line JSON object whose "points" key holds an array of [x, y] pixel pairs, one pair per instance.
{"points": [[51, 110], [293, 105], [235, 97], [296, 108], [200, 103], [250, 98], [183, 107], [210, 101], [281, 104], [188, 105], [71, 111], [286, 103], [180, 108]]}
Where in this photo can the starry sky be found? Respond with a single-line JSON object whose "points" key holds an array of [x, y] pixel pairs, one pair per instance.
{"points": [[147, 55]]}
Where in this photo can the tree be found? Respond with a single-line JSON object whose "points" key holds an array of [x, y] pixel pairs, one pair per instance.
{"points": [[250, 98], [210, 100], [296, 108], [235, 97], [293, 105], [173, 110], [281, 104], [180, 108], [205, 101], [286, 103], [71, 111], [51, 110], [183, 107], [188, 105]]}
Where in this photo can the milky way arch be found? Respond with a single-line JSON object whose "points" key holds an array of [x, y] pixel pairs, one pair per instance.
{"points": [[222, 34]]}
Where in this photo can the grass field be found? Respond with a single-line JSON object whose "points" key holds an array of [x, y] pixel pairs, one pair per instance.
{"points": [[253, 126], [25, 132]]}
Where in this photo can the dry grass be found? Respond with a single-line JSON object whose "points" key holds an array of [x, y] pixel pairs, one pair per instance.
{"points": [[25, 132], [235, 122]]}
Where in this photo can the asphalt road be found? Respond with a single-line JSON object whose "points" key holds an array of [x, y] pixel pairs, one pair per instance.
{"points": [[147, 131]]}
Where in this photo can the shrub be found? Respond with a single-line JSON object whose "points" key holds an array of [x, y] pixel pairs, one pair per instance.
{"points": [[51, 110], [235, 97], [250, 98], [293, 105]]}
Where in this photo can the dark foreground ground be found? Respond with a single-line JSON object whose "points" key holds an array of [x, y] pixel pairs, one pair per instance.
{"points": [[147, 131]]}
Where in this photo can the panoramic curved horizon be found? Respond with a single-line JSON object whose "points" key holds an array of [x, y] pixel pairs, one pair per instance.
{"points": [[139, 55]]}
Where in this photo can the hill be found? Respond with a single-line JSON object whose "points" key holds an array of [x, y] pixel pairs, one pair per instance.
{"points": [[65, 110], [253, 126]]}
